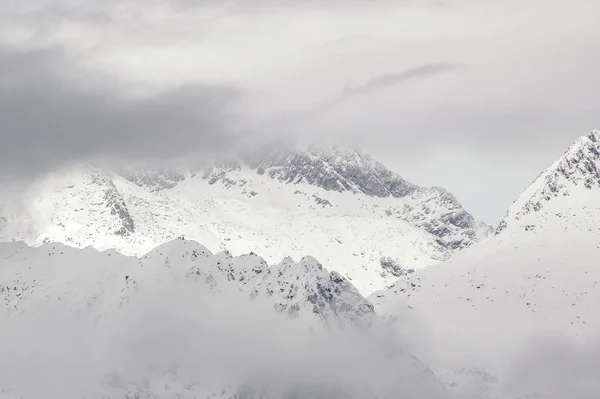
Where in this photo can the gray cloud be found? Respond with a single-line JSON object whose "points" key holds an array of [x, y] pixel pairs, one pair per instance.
{"points": [[526, 94], [52, 113], [209, 340], [298, 4], [555, 367], [349, 92], [393, 79]]}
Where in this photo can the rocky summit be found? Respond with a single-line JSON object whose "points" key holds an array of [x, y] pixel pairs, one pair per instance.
{"points": [[335, 204]]}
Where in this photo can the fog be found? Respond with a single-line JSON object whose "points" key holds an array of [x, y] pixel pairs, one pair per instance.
{"points": [[501, 87], [474, 96], [545, 364], [178, 334]]}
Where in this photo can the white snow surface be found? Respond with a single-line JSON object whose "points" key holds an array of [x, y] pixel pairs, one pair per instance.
{"points": [[513, 316], [517, 315], [181, 322], [349, 225]]}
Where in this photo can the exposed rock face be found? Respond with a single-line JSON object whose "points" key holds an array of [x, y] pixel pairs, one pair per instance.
{"points": [[341, 170], [116, 204], [296, 289], [293, 288], [335, 204], [157, 179], [213, 172], [346, 170], [334, 169]]}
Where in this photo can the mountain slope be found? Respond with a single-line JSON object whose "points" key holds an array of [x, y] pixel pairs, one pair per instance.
{"points": [[347, 170], [183, 322], [564, 185], [339, 206], [538, 275], [304, 289]]}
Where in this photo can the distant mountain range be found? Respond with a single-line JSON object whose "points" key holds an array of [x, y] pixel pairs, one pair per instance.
{"points": [[457, 323], [336, 204]]}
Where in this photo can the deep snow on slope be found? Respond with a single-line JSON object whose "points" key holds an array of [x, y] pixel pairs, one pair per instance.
{"points": [[183, 322], [538, 275], [341, 207], [334, 169], [573, 177], [83, 279]]}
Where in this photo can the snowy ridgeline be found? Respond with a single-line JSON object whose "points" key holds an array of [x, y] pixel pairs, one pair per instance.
{"points": [[181, 322], [339, 206], [518, 314], [515, 316]]}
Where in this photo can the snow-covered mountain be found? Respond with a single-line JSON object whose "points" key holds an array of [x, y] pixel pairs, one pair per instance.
{"points": [[36, 277], [538, 275], [563, 193], [337, 205], [341, 170], [183, 322]]}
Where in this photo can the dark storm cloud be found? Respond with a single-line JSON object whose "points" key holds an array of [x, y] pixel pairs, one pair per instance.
{"points": [[51, 113]]}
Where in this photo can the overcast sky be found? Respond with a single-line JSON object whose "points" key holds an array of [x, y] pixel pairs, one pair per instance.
{"points": [[477, 96]]}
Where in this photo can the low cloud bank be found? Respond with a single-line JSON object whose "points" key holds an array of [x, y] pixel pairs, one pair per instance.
{"points": [[185, 339]]}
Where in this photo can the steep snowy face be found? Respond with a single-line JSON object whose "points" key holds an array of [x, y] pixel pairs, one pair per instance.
{"points": [[64, 203], [183, 322], [334, 169], [114, 202], [477, 314], [33, 276], [347, 170], [570, 185], [336, 205], [341, 170], [538, 275], [302, 289]]}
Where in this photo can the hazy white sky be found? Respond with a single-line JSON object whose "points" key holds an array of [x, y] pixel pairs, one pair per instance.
{"points": [[474, 96]]}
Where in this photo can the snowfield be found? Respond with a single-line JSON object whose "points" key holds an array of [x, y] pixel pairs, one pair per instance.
{"points": [[181, 322], [512, 316], [536, 282], [338, 206]]}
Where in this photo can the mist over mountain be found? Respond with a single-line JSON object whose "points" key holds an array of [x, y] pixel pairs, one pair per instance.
{"points": [[338, 205], [531, 289], [281, 199], [182, 321]]}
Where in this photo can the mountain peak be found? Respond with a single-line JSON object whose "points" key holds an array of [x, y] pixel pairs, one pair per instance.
{"points": [[594, 135], [333, 168], [274, 203], [573, 174]]}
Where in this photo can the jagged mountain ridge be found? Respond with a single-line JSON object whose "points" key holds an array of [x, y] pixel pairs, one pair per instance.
{"points": [[231, 206], [179, 291], [298, 289], [341, 170]]}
